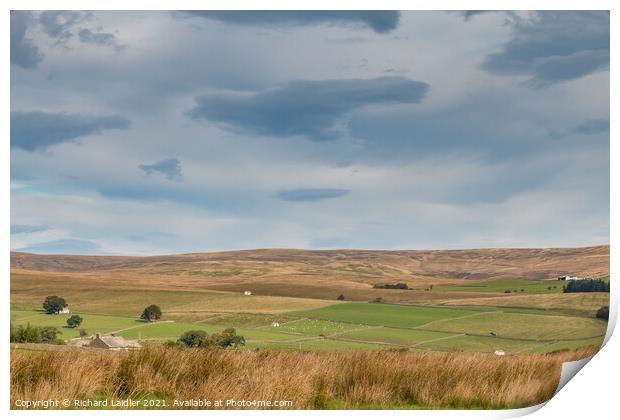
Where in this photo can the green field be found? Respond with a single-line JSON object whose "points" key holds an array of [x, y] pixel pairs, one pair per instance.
{"points": [[92, 323], [314, 327], [393, 335], [514, 285], [527, 326], [383, 314], [345, 326]]}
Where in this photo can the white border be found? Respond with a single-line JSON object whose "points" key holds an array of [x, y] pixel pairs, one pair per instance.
{"points": [[592, 395]]}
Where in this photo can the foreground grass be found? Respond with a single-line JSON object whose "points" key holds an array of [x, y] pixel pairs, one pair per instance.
{"points": [[380, 379]]}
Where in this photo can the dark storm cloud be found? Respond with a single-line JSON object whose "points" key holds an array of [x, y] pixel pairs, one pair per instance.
{"points": [[18, 229], [554, 46], [381, 21], [23, 51], [38, 130], [303, 107], [64, 246], [170, 168], [311, 194]]}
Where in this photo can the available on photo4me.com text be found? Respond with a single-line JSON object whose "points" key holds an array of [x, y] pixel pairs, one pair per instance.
{"points": [[145, 403]]}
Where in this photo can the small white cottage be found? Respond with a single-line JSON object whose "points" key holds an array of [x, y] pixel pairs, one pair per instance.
{"points": [[247, 293], [500, 353], [275, 324], [64, 310]]}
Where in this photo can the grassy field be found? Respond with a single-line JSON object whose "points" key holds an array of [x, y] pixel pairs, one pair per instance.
{"points": [[525, 326], [587, 303], [309, 380], [383, 314], [512, 285]]}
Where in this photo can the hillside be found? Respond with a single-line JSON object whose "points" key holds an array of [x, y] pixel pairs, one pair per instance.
{"points": [[473, 264]]}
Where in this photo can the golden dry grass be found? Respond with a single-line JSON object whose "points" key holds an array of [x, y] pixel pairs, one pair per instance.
{"points": [[385, 379]]}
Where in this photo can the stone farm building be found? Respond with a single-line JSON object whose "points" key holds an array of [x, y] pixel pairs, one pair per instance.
{"points": [[111, 342]]}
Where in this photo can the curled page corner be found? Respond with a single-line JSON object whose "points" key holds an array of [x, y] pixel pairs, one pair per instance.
{"points": [[569, 370]]}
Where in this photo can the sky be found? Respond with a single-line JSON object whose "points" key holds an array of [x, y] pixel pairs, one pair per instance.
{"points": [[143, 133]]}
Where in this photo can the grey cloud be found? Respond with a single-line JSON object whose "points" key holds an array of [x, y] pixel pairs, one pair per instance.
{"points": [[100, 38], [468, 14], [381, 21], [303, 107], [311, 194], [58, 24], [170, 168], [554, 46], [594, 126], [19, 229], [24, 53], [64, 246], [37, 130]]}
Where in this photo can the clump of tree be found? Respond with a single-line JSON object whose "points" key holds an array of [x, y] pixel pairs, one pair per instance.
{"points": [[199, 338], [31, 334], [74, 321], [54, 304], [83, 333], [586, 285], [603, 313], [341, 297], [194, 338], [378, 299], [401, 286], [151, 313]]}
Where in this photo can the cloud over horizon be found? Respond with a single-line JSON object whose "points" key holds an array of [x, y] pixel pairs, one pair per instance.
{"points": [[309, 108], [35, 130]]}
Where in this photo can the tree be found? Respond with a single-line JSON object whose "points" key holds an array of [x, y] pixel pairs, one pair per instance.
{"points": [[151, 313], [25, 334], [194, 338], [54, 304], [49, 334], [341, 297], [74, 321], [83, 333], [227, 338], [603, 313], [586, 285]]}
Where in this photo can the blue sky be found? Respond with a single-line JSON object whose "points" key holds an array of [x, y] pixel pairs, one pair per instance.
{"points": [[161, 132]]}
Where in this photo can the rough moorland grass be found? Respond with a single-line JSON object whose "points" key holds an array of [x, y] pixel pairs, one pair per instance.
{"points": [[480, 344], [308, 379], [525, 326], [383, 314]]}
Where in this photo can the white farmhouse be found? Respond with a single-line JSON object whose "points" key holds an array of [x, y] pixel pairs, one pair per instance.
{"points": [[247, 293]]}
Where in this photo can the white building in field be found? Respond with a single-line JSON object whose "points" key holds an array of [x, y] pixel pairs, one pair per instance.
{"points": [[567, 278], [247, 293], [64, 310], [275, 324]]}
